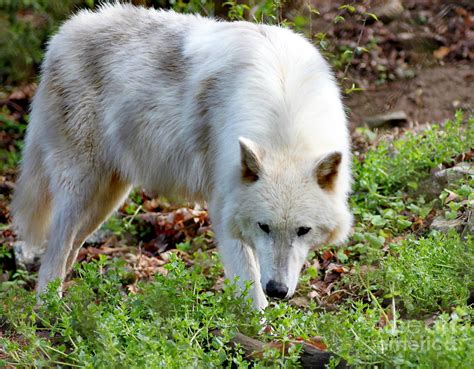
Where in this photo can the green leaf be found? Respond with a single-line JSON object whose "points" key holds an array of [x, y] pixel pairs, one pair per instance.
{"points": [[312, 272], [378, 221], [373, 16], [403, 224]]}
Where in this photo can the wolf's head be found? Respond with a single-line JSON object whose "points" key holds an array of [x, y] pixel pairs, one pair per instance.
{"points": [[289, 204]]}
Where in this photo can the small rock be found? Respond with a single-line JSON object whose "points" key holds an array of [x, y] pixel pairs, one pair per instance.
{"points": [[387, 10], [455, 173], [299, 301], [420, 41], [432, 187], [456, 104], [464, 224], [469, 227], [443, 225], [391, 119]]}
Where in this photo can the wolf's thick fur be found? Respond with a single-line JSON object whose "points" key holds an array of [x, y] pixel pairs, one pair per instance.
{"points": [[246, 117]]}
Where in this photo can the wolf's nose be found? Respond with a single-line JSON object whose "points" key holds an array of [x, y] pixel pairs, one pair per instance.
{"points": [[276, 289]]}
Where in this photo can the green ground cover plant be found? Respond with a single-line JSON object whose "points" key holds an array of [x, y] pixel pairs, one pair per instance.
{"points": [[407, 300], [24, 28]]}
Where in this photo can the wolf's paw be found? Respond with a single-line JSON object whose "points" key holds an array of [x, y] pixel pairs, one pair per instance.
{"points": [[260, 301]]}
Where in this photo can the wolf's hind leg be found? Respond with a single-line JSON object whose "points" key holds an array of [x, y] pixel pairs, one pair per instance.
{"points": [[104, 202], [79, 205], [67, 211]]}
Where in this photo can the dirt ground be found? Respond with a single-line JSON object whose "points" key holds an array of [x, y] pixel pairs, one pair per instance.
{"points": [[433, 95], [418, 58]]}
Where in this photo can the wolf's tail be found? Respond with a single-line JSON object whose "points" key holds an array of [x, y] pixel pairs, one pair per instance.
{"points": [[31, 205]]}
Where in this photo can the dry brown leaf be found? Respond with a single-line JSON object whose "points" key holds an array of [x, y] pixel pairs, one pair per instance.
{"points": [[316, 341], [313, 295], [385, 319], [337, 268], [441, 53], [327, 255], [451, 197]]}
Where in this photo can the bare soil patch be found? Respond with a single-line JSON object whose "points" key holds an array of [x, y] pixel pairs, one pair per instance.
{"points": [[433, 95]]}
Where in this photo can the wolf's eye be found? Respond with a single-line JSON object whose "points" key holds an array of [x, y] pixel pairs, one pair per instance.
{"points": [[264, 227], [302, 231]]}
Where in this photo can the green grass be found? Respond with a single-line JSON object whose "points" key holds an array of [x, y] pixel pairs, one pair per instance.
{"points": [[385, 201], [10, 152], [407, 305], [431, 274], [399, 165], [167, 324]]}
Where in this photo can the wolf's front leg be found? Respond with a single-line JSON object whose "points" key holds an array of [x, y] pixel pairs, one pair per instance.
{"points": [[239, 260]]}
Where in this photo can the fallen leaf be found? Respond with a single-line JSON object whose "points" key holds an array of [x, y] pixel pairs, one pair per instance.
{"points": [[327, 255], [385, 319], [337, 268], [317, 342], [451, 197], [441, 53]]}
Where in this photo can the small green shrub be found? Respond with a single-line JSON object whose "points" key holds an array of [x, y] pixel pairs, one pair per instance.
{"points": [[401, 164], [428, 274], [24, 28], [167, 323]]}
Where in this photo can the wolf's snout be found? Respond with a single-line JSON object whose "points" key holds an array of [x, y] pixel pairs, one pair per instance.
{"points": [[276, 289]]}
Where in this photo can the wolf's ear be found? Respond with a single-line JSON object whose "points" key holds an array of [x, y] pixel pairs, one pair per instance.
{"points": [[326, 170], [250, 157]]}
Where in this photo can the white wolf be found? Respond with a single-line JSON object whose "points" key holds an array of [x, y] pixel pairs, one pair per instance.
{"points": [[246, 117]]}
